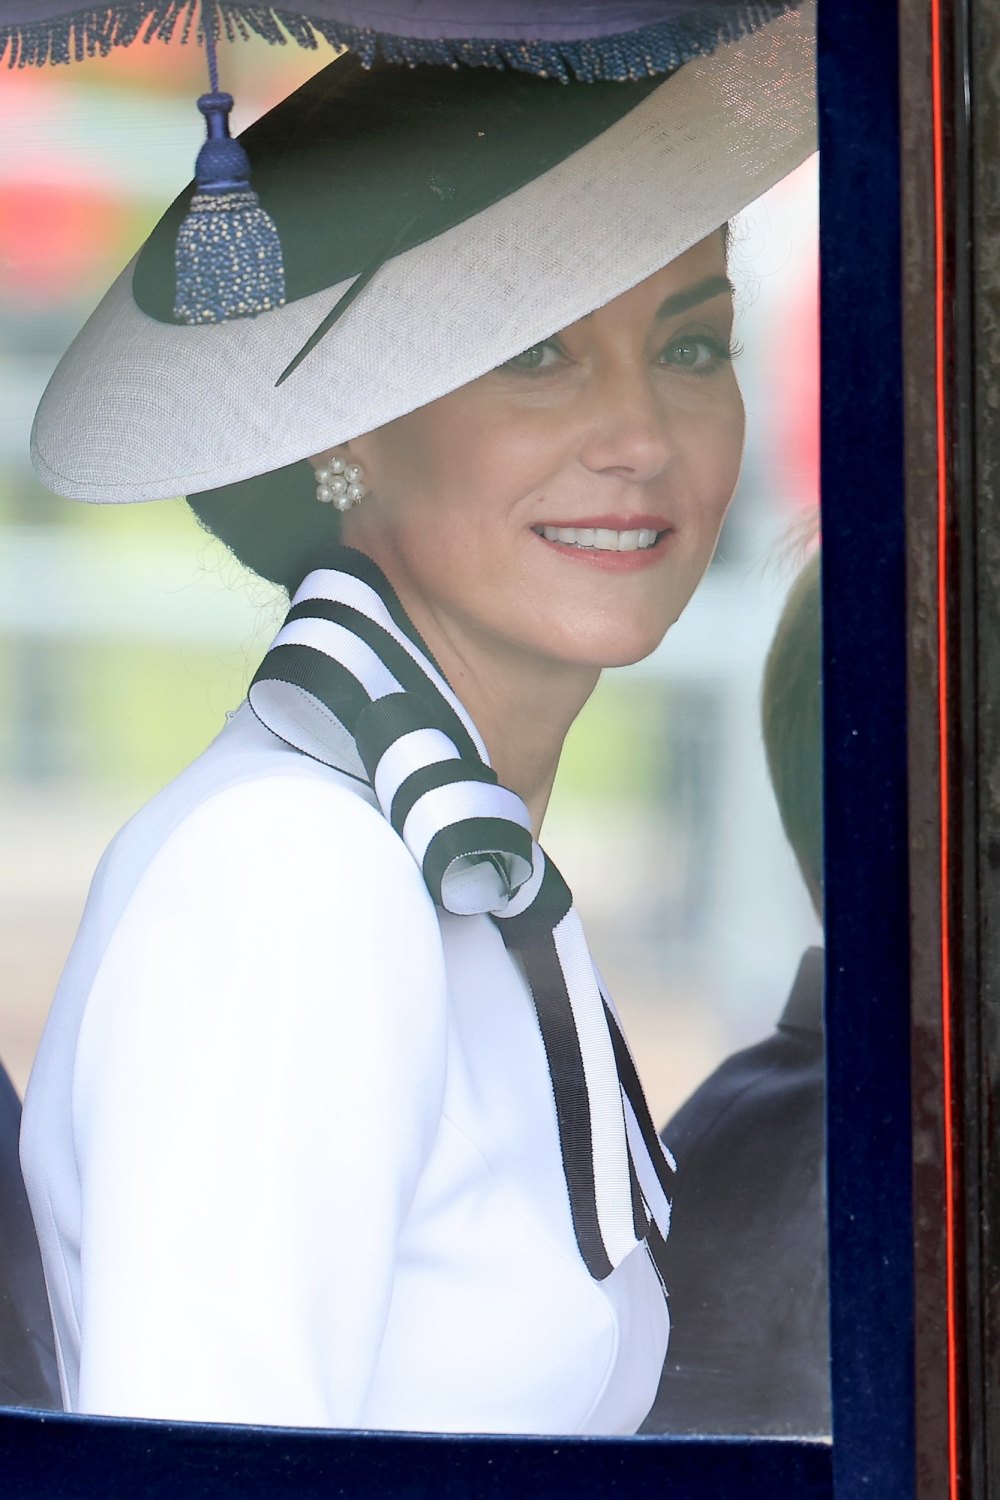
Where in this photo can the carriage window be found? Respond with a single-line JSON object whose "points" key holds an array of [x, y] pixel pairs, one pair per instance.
{"points": [[686, 813]]}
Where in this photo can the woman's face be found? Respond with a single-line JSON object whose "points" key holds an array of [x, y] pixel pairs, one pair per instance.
{"points": [[566, 504]]}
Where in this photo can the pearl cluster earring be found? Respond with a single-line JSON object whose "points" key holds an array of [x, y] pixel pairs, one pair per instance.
{"points": [[340, 483]]}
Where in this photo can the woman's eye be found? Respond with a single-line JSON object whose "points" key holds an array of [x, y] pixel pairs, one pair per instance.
{"points": [[537, 357], [701, 353]]}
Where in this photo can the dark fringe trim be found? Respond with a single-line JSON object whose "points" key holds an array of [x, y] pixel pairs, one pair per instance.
{"points": [[651, 50]]}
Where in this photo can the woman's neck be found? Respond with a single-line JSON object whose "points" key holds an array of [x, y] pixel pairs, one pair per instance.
{"points": [[522, 705]]}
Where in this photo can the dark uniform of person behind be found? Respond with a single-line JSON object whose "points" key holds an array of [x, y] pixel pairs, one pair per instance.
{"points": [[28, 1373], [746, 1257]]}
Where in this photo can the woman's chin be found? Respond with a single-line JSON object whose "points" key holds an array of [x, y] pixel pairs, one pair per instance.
{"points": [[628, 656], [612, 648]]}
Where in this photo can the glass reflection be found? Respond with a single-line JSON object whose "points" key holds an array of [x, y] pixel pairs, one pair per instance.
{"points": [[699, 931]]}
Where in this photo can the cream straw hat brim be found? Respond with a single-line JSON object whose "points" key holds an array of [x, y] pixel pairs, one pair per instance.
{"points": [[140, 409]]}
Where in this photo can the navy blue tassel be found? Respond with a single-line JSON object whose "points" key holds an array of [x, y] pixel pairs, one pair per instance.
{"points": [[228, 257]]}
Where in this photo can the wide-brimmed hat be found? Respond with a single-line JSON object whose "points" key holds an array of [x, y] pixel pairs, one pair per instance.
{"points": [[474, 213]]}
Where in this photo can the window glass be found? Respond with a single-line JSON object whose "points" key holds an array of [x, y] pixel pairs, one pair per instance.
{"points": [[127, 634]]}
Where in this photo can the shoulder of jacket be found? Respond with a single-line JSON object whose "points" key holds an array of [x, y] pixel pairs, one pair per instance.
{"points": [[301, 838], [276, 885]]}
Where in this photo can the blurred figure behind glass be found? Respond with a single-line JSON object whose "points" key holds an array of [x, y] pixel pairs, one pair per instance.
{"points": [[28, 1374], [746, 1257]]}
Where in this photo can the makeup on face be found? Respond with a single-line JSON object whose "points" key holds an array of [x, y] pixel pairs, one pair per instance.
{"points": [[568, 503]]}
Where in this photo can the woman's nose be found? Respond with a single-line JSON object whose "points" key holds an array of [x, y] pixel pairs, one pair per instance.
{"points": [[628, 428]]}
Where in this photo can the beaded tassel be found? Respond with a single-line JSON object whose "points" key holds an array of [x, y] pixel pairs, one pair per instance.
{"points": [[228, 256]]}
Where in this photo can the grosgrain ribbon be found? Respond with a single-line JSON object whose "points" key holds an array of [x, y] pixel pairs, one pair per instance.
{"points": [[349, 682]]}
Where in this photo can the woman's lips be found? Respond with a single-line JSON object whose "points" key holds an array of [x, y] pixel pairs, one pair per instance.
{"points": [[645, 521], [645, 540]]}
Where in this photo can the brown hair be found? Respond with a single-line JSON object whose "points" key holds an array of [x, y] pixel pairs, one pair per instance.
{"points": [[272, 524]]}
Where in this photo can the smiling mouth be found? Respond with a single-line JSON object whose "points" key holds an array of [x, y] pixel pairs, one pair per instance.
{"points": [[601, 538]]}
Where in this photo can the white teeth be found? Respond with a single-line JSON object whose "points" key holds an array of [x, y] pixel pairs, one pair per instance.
{"points": [[600, 538]]}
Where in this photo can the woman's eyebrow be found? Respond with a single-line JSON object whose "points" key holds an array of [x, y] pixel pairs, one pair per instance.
{"points": [[712, 286]]}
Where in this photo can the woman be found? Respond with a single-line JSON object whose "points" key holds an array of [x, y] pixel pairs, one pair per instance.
{"points": [[332, 1123]]}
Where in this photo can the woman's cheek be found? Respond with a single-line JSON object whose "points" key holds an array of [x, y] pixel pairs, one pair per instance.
{"points": [[731, 452]]}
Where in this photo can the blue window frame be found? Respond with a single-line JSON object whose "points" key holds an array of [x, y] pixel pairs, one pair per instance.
{"points": [[870, 1213]]}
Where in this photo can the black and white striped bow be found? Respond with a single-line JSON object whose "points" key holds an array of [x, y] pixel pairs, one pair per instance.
{"points": [[349, 682]]}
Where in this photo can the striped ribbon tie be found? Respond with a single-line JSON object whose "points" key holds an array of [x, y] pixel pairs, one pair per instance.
{"points": [[349, 682]]}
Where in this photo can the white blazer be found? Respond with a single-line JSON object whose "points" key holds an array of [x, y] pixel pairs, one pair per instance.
{"points": [[290, 1141]]}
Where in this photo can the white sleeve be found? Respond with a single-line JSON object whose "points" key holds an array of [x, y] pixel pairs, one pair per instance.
{"points": [[259, 1079]]}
